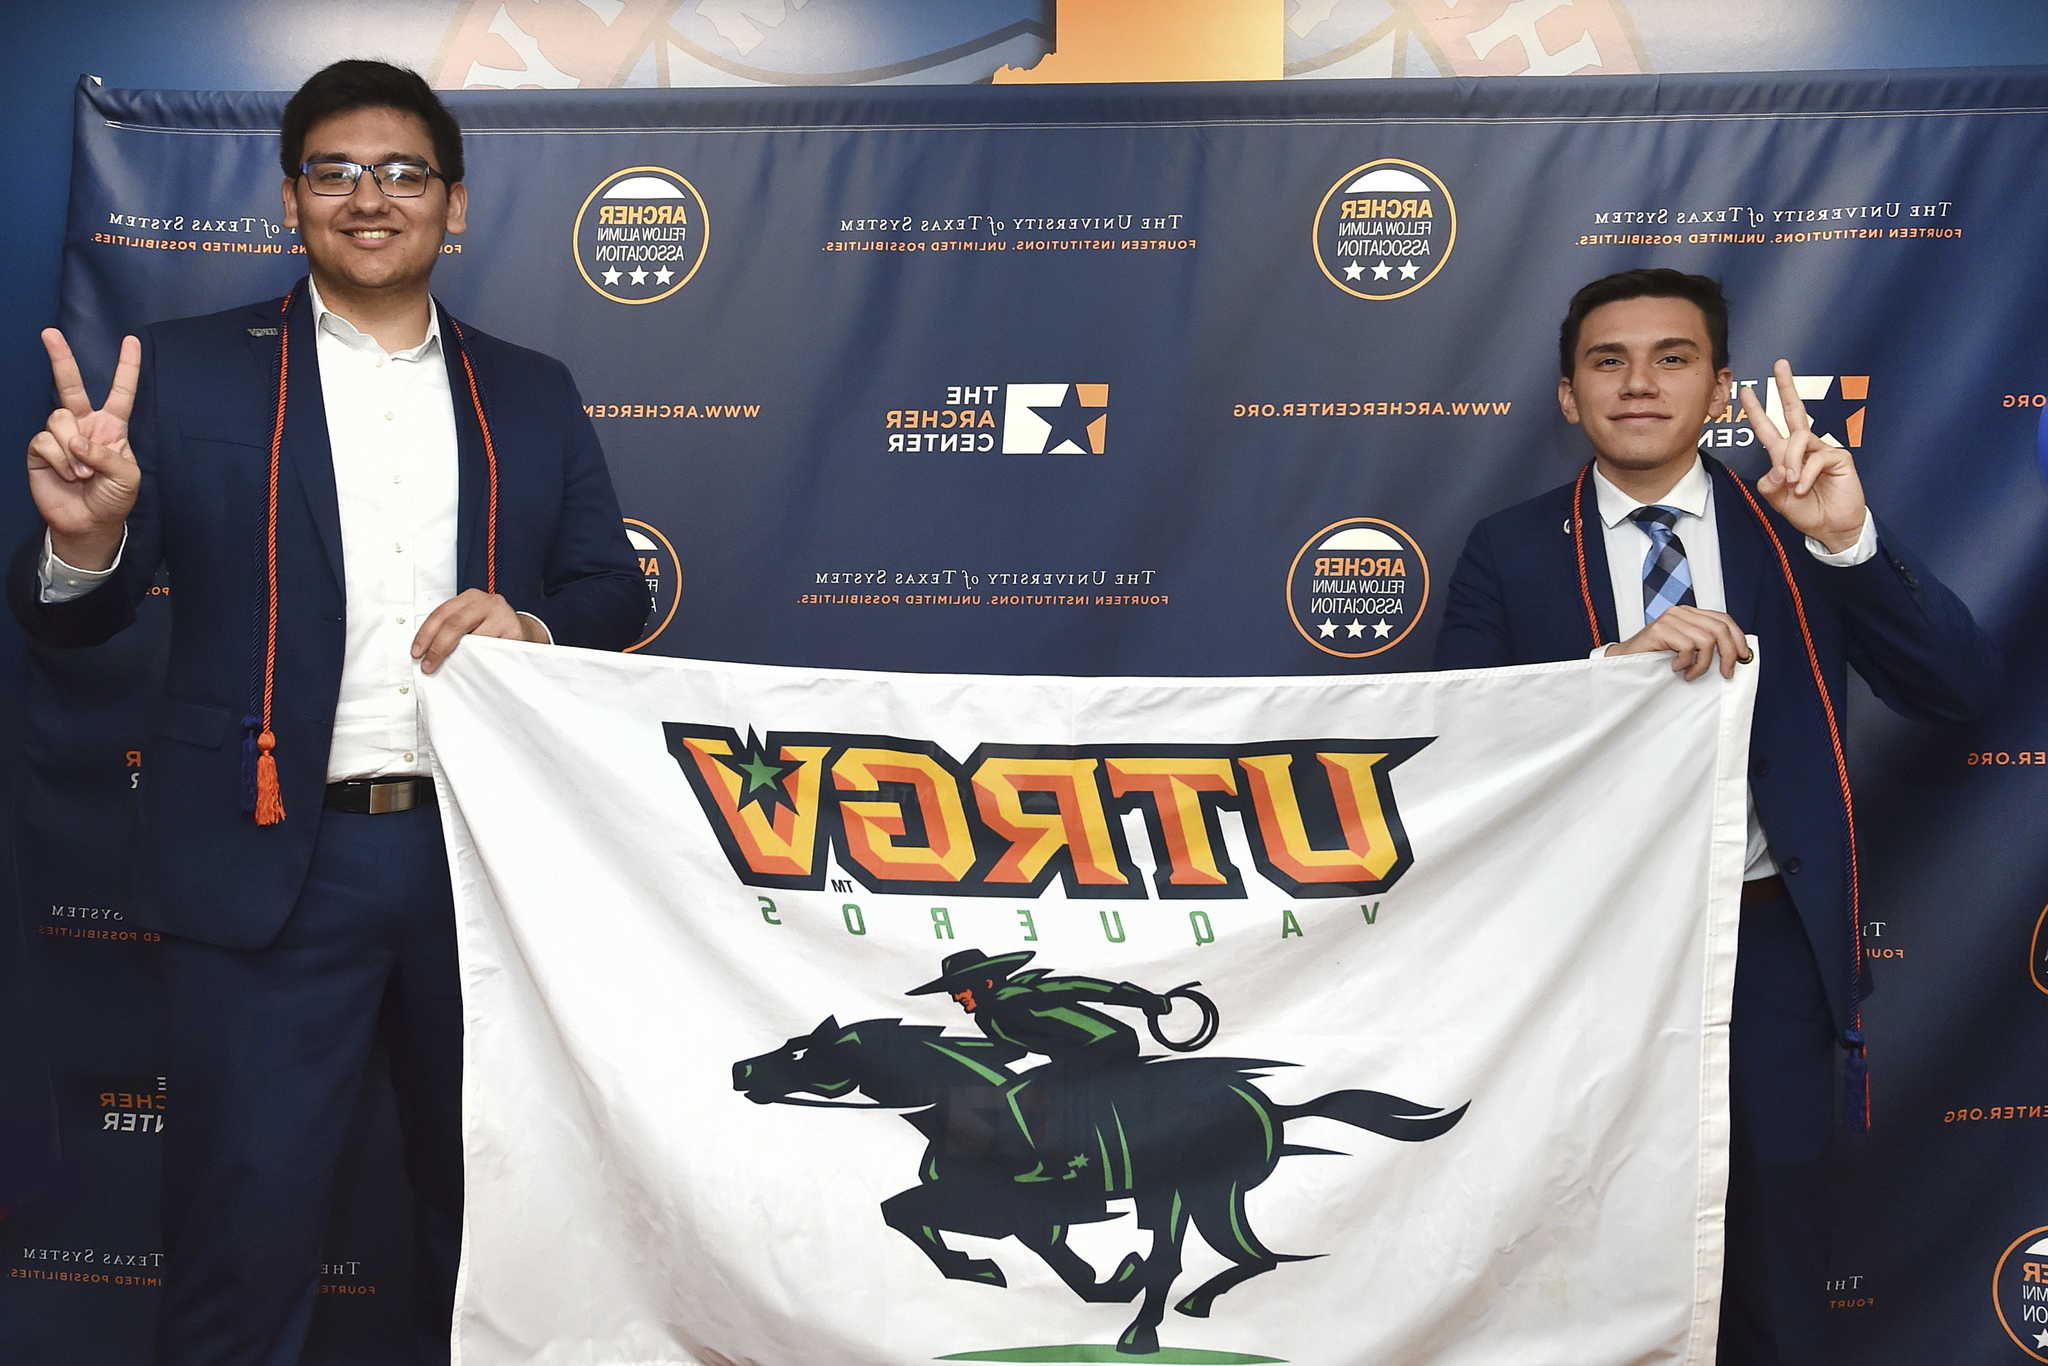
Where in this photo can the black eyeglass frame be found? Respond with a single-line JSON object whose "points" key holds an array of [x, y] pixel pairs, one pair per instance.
{"points": [[376, 177]]}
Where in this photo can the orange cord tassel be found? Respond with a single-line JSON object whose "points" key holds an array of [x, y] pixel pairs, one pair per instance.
{"points": [[269, 801]]}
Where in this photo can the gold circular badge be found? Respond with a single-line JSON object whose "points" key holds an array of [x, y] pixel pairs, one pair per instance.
{"points": [[1384, 229], [640, 235], [664, 576], [1357, 587]]}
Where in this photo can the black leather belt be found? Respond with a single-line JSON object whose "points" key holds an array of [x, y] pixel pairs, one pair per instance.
{"points": [[1757, 889], [376, 796]]}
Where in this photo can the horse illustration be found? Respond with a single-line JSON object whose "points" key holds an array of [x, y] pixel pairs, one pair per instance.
{"points": [[1028, 1155]]}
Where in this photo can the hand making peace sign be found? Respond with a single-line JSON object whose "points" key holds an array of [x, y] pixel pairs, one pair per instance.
{"points": [[1812, 482], [80, 471]]}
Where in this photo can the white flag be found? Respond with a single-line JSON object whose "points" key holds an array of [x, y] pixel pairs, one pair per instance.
{"points": [[835, 1018]]}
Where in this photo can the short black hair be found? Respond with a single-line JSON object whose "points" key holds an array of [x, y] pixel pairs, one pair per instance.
{"points": [[1650, 283], [356, 84]]}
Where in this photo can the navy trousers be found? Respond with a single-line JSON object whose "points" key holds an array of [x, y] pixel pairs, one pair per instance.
{"points": [[1781, 1065], [267, 1053]]}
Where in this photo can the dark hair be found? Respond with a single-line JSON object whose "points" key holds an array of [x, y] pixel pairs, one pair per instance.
{"points": [[357, 84], [1657, 283]]}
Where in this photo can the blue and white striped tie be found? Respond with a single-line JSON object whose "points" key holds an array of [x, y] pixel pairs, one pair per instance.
{"points": [[1667, 578]]}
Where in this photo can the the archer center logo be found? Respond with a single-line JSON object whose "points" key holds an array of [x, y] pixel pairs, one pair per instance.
{"points": [[1384, 229], [640, 235], [1835, 405], [129, 1105], [1357, 587], [1036, 419], [905, 816], [2019, 1292], [664, 577], [1055, 419]]}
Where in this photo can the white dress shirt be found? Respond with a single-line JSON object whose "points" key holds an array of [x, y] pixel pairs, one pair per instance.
{"points": [[1628, 545], [391, 426]]}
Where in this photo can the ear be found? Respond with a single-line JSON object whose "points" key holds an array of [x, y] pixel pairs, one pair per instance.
{"points": [[1718, 405], [1567, 400], [829, 1025], [458, 207], [291, 204]]}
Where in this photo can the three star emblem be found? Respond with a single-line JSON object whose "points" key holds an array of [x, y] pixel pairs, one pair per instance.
{"points": [[1381, 629], [638, 275]]}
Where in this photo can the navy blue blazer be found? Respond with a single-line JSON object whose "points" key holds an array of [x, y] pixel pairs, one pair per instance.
{"points": [[1515, 599], [201, 435]]}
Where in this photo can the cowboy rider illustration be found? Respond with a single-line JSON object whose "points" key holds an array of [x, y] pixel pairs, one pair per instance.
{"points": [[1041, 1013]]}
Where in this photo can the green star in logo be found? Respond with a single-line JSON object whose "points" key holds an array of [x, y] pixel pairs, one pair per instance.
{"points": [[762, 778]]}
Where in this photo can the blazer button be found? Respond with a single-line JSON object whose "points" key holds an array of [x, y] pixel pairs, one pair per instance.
{"points": [[1792, 865], [1760, 769]]}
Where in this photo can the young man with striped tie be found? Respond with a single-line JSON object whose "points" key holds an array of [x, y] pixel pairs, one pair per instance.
{"points": [[1655, 548]]}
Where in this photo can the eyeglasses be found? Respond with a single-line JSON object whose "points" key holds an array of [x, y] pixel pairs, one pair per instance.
{"points": [[398, 179]]}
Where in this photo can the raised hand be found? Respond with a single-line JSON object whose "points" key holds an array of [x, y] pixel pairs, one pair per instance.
{"points": [[1812, 482], [80, 471]]}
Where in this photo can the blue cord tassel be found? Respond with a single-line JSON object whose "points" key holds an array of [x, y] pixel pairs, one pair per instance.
{"points": [[250, 725], [1855, 1084]]}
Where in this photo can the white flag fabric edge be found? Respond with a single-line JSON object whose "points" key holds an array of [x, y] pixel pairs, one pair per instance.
{"points": [[529, 741]]}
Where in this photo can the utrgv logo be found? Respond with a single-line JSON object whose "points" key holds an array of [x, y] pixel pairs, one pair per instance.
{"points": [[904, 816]]}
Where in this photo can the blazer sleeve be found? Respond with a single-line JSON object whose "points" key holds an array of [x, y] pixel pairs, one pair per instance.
{"points": [[95, 617], [1911, 638], [1474, 634], [593, 593]]}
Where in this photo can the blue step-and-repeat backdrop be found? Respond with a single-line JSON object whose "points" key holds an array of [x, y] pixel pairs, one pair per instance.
{"points": [[1202, 380]]}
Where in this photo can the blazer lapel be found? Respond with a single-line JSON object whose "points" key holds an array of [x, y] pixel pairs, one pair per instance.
{"points": [[473, 470], [1743, 549], [307, 458]]}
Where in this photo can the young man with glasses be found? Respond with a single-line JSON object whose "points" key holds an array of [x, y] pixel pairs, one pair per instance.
{"points": [[342, 484]]}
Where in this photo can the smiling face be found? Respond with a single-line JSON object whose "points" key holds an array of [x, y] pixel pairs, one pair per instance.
{"points": [[367, 249], [1642, 385]]}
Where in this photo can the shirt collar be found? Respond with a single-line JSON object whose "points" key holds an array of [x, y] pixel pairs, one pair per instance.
{"points": [[1689, 495], [327, 320]]}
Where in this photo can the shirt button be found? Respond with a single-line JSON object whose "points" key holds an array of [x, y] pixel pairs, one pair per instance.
{"points": [[387, 417], [408, 758], [380, 362], [396, 477], [398, 549], [401, 621], [404, 688]]}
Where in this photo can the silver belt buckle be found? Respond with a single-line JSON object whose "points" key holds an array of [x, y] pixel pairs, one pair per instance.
{"points": [[402, 795]]}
